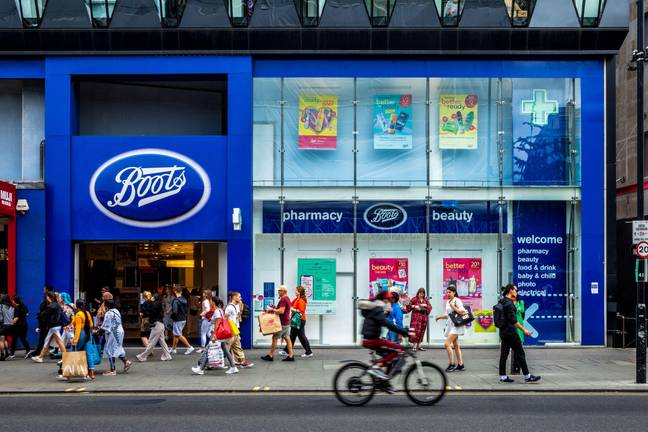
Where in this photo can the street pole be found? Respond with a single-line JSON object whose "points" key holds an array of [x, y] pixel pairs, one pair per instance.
{"points": [[641, 289]]}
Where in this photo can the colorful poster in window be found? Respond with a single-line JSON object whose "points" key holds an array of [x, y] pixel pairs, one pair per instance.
{"points": [[458, 121], [318, 277], [388, 274], [466, 275], [317, 122], [392, 128], [484, 322]]}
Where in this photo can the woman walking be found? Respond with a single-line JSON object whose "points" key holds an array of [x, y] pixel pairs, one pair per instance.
{"points": [[19, 331], [298, 305], [7, 322], [420, 308], [453, 332], [218, 316], [51, 325], [145, 317], [206, 315], [114, 334], [156, 321], [83, 334], [68, 310]]}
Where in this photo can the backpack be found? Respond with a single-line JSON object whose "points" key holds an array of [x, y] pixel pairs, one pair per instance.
{"points": [[498, 315], [65, 319], [245, 313]]}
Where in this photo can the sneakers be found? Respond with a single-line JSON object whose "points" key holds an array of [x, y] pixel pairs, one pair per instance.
{"points": [[267, 358], [29, 354], [127, 365], [246, 364], [506, 380], [377, 372], [532, 379], [110, 373], [289, 359], [307, 355], [166, 359], [11, 356], [451, 368], [190, 350], [231, 371], [460, 367], [283, 353], [140, 359], [173, 351], [200, 350], [37, 359], [196, 370]]}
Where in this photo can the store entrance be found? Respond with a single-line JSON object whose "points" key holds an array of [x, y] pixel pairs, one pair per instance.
{"points": [[130, 268]]}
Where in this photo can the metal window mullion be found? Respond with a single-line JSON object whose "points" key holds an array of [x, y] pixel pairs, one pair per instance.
{"points": [[428, 198], [571, 237], [355, 210], [282, 199], [501, 201]]}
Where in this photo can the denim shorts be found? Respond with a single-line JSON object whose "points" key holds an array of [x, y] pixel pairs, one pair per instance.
{"points": [[178, 326]]}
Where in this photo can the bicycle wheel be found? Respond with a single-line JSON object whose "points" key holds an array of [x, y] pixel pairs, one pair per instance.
{"points": [[425, 386], [352, 384]]}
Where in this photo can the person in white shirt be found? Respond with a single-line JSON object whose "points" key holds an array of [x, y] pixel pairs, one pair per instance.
{"points": [[452, 332], [233, 313], [206, 316]]}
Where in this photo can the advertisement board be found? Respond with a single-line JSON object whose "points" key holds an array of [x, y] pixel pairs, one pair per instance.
{"points": [[389, 274], [458, 121], [466, 275], [318, 277], [392, 128], [317, 122]]}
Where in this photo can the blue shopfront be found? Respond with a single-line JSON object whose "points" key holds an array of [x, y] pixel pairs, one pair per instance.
{"points": [[126, 180]]}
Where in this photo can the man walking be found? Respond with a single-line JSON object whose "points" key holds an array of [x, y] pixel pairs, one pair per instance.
{"points": [[233, 315], [507, 322], [179, 317], [283, 310]]}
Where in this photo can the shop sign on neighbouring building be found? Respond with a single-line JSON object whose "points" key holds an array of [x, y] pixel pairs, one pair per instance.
{"points": [[7, 199]]}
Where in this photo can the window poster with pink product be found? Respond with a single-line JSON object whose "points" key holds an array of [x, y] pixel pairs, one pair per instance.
{"points": [[318, 122], [388, 274], [466, 275]]}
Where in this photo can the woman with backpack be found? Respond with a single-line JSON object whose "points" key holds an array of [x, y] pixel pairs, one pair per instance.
{"points": [[83, 335], [7, 322], [114, 333], [52, 320], [452, 332], [68, 311], [217, 318]]}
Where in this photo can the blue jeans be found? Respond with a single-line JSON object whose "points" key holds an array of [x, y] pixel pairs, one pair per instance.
{"points": [[80, 346]]}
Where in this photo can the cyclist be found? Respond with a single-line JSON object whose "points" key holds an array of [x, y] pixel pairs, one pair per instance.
{"points": [[375, 313]]}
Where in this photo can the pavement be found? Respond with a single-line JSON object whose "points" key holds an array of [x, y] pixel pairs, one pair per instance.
{"points": [[562, 370], [532, 412]]}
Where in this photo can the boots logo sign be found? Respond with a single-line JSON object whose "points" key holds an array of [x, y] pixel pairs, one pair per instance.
{"points": [[150, 188], [385, 216]]}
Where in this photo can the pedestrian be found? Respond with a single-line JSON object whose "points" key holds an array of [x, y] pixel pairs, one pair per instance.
{"points": [[101, 312], [179, 318], [207, 309], [20, 327], [83, 333], [67, 331], [218, 316], [298, 305], [145, 317], [156, 322], [452, 332], [233, 315], [167, 301], [395, 317], [42, 333], [507, 322], [114, 335], [519, 313], [283, 310], [51, 320], [420, 308], [7, 321]]}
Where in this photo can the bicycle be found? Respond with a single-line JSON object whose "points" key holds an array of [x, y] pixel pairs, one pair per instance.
{"points": [[359, 388]]}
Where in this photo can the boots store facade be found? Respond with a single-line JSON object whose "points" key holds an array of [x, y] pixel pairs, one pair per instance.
{"points": [[347, 148]]}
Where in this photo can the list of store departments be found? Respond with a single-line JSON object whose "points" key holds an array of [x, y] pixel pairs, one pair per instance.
{"points": [[536, 263]]}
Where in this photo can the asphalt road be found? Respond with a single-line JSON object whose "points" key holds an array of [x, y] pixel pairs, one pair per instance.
{"points": [[303, 413]]}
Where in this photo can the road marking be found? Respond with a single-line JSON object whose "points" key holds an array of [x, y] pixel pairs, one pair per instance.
{"points": [[457, 387], [266, 388], [257, 388], [448, 387]]}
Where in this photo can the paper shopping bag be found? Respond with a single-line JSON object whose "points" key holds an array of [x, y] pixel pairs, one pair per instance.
{"points": [[269, 323], [75, 364]]}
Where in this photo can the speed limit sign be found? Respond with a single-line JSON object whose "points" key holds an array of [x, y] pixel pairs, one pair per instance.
{"points": [[642, 249]]}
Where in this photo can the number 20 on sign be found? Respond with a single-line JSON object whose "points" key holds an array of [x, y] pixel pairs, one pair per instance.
{"points": [[642, 249]]}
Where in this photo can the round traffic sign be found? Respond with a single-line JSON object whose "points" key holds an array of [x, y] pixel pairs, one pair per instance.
{"points": [[642, 249]]}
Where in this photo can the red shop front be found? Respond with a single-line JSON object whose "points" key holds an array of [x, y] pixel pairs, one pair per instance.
{"points": [[7, 238]]}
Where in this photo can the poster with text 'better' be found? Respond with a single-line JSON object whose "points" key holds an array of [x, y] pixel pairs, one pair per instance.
{"points": [[466, 275], [317, 122], [388, 274], [458, 121], [392, 122], [318, 277]]}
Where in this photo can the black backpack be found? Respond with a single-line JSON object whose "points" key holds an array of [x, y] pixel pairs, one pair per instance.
{"points": [[245, 313], [498, 315]]}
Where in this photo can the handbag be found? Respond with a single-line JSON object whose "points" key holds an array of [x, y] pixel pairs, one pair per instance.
{"points": [[234, 327], [296, 320], [463, 319], [215, 355], [92, 353], [223, 330], [75, 364]]}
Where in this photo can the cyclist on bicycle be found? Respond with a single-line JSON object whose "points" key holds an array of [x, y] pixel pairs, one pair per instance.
{"points": [[375, 313]]}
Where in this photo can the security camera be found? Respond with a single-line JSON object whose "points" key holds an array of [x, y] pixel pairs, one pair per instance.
{"points": [[22, 206]]}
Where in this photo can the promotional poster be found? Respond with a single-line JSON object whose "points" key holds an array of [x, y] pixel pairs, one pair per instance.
{"points": [[318, 122], [318, 277], [388, 274], [466, 275], [458, 121], [392, 122]]}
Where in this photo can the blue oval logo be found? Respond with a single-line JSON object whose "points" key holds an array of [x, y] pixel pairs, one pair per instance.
{"points": [[385, 216], [150, 188]]}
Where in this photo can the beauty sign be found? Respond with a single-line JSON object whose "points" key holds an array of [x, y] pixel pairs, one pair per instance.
{"points": [[388, 274], [458, 121], [317, 122], [466, 275], [392, 122]]}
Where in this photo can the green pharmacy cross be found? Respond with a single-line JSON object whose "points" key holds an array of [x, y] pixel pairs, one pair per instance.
{"points": [[540, 107]]}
